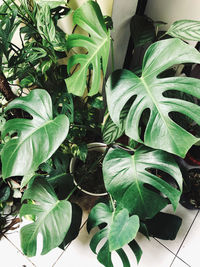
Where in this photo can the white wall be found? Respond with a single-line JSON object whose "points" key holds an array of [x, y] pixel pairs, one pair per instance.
{"points": [[172, 10], [123, 10]]}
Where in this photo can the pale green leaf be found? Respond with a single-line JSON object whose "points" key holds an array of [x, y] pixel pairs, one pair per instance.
{"points": [[51, 3], [185, 29]]}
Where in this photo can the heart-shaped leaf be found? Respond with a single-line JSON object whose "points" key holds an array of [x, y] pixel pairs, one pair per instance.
{"points": [[149, 91], [129, 180], [123, 229], [37, 139], [120, 230], [185, 29], [90, 19], [53, 218]]}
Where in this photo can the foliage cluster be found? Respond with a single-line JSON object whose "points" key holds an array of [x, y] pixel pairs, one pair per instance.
{"points": [[57, 108]]}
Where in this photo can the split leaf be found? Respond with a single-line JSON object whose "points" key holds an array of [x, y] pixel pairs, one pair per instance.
{"points": [[131, 182], [90, 19], [34, 140], [53, 218], [149, 92]]}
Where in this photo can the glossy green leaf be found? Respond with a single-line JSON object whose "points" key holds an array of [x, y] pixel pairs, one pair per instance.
{"points": [[128, 179], [4, 192], [123, 229], [120, 229], [37, 138], [90, 19], [161, 131], [185, 29], [53, 218]]}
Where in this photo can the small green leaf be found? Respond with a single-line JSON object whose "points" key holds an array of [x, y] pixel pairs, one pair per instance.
{"points": [[4, 193], [185, 29], [123, 230], [53, 218], [111, 131], [118, 228]]}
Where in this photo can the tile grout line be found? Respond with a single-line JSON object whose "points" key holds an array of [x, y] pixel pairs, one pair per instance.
{"points": [[184, 241], [67, 246], [19, 250]]}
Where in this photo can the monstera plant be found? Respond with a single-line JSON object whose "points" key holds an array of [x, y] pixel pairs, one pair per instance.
{"points": [[52, 107]]}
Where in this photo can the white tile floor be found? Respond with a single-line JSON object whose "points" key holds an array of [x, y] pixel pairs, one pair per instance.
{"points": [[182, 252]]}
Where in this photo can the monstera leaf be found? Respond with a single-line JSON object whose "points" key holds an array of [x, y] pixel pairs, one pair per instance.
{"points": [[90, 19], [53, 218], [131, 182], [120, 230], [149, 92], [185, 29], [37, 138]]}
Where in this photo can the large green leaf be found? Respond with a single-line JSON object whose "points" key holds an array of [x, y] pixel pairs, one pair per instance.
{"points": [[37, 138], [185, 29], [131, 183], [53, 218], [97, 44], [148, 90], [120, 229]]}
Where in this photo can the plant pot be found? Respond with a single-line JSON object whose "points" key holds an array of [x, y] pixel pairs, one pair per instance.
{"points": [[80, 182], [190, 197]]}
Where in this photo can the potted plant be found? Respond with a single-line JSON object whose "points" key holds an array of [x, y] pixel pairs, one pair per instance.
{"points": [[43, 129]]}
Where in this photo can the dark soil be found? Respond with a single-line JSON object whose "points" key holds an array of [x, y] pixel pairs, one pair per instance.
{"points": [[89, 175], [191, 198]]}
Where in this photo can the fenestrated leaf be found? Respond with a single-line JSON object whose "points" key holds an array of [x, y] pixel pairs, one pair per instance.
{"points": [[129, 180], [120, 229], [185, 29], [37, 139], [90, 19], [53, 218], [148, 91]]}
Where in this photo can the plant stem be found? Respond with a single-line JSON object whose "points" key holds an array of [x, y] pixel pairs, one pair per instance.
{"points": [[112, 202], [112, 55], [5, 88]]}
